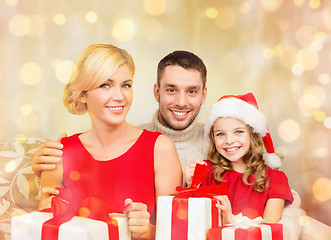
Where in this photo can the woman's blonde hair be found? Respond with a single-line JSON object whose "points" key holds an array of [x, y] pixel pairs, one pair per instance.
{"points": [[92, 68], [255, 165]]}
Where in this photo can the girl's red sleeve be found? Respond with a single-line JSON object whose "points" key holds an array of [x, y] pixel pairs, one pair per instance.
{"points": [[279, 187]]}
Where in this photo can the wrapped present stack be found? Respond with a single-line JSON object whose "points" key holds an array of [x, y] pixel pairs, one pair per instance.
{"points": [[189, 213]]}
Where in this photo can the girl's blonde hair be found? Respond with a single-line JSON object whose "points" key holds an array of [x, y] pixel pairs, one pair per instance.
{"points": [[255, 165], [92, 68]]}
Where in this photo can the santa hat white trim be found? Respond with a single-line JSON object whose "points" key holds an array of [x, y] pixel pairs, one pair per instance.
{"points": [[236, 108], [244, 108]]}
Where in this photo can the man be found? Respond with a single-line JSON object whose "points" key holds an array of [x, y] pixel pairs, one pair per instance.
{"points": [[181, 91]]}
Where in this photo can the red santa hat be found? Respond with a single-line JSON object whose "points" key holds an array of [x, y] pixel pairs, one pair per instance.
{"points": [[245, 108]]}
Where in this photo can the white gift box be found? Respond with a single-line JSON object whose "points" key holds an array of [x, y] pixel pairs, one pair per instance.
{"points": [[199, 218], [28, 227]]}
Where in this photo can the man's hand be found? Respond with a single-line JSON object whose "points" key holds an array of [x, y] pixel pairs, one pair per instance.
{"points": [[138, 219], [47, 155]]}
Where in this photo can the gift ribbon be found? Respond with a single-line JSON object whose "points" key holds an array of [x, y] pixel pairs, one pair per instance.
{"points": [[63, 211], [259, 232], [179, 220], [262, 231], [201, 170], [240, 221]]}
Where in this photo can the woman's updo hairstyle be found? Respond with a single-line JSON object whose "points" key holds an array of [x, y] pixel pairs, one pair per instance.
{"points": [[92, 68]]}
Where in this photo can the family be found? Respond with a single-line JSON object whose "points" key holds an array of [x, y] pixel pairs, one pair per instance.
{"points": [[128, 167]]}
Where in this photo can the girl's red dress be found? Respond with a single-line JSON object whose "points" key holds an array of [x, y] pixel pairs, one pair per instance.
{"points": [[243, 198], [130, 175]]}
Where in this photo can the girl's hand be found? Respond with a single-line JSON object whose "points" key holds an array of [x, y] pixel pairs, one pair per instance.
{"points": [[225, 206], [138, 219], [48, 193], [189, 171]]}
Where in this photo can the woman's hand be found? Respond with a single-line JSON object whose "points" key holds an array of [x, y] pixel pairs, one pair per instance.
{"points": [[48, 193], [138, 219], [189, 171], [225, 206]]}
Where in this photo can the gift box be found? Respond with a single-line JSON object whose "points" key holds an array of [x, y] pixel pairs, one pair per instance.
{"points": [[189, 213], [191, 219], [70, 218], [262, 231], [29, 227]]}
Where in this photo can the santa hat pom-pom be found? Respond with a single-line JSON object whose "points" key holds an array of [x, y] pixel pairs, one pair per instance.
{"points": [[272, 160]]}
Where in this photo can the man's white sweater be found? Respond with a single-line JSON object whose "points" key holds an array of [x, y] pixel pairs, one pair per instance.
{"points": [[190, 142]]}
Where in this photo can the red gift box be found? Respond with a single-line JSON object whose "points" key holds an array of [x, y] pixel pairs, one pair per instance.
{"points": [[262, 231], [63, 210], [190, 212], [28, 227], [181, 218]]}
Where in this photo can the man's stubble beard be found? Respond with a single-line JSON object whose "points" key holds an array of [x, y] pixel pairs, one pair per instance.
{"points": [[173, 127]]}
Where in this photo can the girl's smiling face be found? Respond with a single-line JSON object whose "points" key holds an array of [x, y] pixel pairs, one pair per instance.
{"points": [[232, 139]]}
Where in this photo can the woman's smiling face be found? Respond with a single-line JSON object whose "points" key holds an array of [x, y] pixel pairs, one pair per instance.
{"points": [[111, 101]]}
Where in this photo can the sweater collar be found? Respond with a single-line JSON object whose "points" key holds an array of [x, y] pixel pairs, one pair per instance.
{"points": [[175, 135]]}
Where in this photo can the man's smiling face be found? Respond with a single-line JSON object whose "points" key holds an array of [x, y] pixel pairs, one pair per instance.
{"points": [[180, 96]]}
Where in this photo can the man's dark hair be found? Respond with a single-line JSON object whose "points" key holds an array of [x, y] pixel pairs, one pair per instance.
{"points": [[185, 60]]}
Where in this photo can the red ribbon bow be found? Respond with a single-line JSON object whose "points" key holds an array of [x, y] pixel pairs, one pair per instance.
{"points": [[209, 191], [63, 211]]}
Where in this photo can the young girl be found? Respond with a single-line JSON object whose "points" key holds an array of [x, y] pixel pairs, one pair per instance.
{"points": [[238, 134], [124, 166]]}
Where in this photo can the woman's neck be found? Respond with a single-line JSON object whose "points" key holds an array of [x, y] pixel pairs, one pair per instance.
{"points": [[107, 144], [107, 135]]}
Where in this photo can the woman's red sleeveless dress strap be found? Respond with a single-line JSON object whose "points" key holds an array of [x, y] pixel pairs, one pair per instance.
{"points": [[130, 175]]}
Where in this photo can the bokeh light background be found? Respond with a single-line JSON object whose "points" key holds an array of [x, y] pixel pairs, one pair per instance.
{"points": [[280, 50]]}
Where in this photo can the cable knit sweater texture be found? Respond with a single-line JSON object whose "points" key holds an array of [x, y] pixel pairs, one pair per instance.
{"points": [[190, 142]]}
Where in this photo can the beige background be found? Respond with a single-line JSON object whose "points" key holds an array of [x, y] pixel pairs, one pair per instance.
{"points": [[279, 50]]}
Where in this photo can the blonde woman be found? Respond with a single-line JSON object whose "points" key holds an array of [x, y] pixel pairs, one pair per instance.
{"points": [[122, 165]]}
